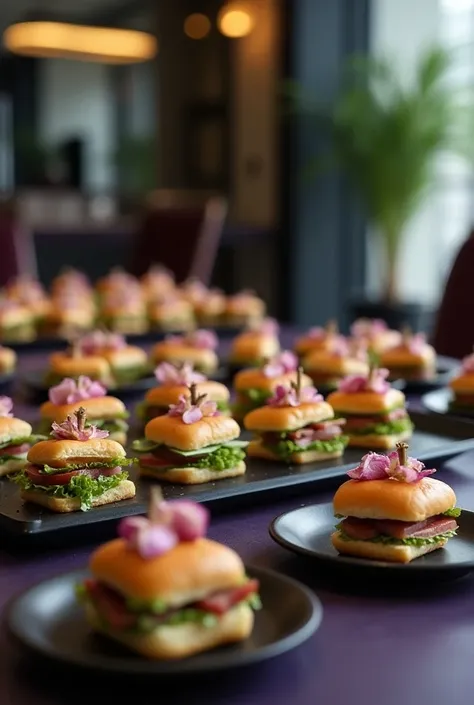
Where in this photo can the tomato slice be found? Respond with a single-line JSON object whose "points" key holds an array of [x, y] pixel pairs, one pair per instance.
{"points": [[15, 450]]}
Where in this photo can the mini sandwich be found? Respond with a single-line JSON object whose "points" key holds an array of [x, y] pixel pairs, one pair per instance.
{"points": [[67, 316], [375, 413], [29, 292], [105, 412], [197, 348], [79, 467], [72, 363], [191, 444], [157, 283], [375, 333], [295, 426], [327, 367], [171, 313], [412, 359], [17, 323], [211, 308], [169, 598], [174, 382], [252, 347], [462, 387], [194, 291], [124, 311], [254, 387], [117, 280], [127, 363], [16, 439], [392, 511], [8, 360], [244, 309], [318, 338], [72, 281]]}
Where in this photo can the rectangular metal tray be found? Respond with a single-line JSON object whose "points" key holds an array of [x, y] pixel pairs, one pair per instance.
{"points": [[436, 439]]}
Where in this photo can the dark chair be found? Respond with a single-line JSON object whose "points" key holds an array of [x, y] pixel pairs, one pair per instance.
{"points": [[454, 328], [16, 243], [180, 231]]}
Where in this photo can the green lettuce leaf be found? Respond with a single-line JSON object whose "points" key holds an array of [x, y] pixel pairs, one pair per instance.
{"points": [[111, 425], [387, 428], [410, 541], [143, 445], [111, 463], [129, 374], [285, 447], [257, 396], [454, 512], [34, 438], [82, 487], [5, 458], [221, 459]]}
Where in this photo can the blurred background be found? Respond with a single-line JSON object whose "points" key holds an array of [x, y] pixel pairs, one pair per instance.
{"points": [[325, 144]]}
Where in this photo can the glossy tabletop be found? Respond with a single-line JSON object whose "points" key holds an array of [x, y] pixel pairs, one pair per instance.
{"points": [[378, 644]]}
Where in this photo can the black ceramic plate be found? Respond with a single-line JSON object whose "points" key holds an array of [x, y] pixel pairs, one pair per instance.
{"points": [[445, 368], [34, 381], [307, 531], [47, 620], [439, 401]]}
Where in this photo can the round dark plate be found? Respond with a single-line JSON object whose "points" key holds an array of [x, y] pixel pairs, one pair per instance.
{"points": [[439, 402], [34, 380], [47, 620], [445, 368], [307, 531]]}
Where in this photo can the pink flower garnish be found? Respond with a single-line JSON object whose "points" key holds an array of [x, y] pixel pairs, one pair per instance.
{"points": [[373, 466], [375, 381], [69, 391], [167, 524], [468, 364], [6, 406], [75, 429], [98, 340], [281, 364], [340, 347], [411, 470], [269, 326], [316, 333], [368, 328], [192, 409], [415, 343], [168, 374], [394, 466], [205, 339], [289, 396]]}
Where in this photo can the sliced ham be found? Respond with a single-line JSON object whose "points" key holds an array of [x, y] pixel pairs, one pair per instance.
{"points": [[367, 529], [111, 605], [39, 477], [360, 422], [221, 602], [15, 450]]}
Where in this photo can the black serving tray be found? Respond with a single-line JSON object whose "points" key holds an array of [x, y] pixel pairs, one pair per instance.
{"points": [[436, 439]]}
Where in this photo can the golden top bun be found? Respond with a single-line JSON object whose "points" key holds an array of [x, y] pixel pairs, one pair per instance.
{"points": [[165, 394], [255, 379], [96, 408], [287, 418], [213, 304], [253, 345], [13, 428], [251, 306], [8, 357], [15, 316], [326, 362], [178, 308], [59, 454], [401, 356], [391, 499], [463, 383], [189, 572], [366, 402], [178, 352], [173, 432], [307, 343], [130, 356], [72, 366]]}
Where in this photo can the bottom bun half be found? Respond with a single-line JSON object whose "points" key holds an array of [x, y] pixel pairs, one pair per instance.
{"points": [[193, 476], [257, 450], [180, 641], [13, 465], [382, 552], [374, 441], [124, 490]]}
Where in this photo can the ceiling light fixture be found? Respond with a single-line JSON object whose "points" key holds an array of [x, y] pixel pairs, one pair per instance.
{"points": [[197, 26], [62, 40], [235, 20]]}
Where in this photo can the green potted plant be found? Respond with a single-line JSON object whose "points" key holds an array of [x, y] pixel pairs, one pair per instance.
{"points": [[386, 137]]}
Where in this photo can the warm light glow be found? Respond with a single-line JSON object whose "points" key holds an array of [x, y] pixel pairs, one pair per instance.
{"points": [[235, 21], [69, 41], [197, 26]]}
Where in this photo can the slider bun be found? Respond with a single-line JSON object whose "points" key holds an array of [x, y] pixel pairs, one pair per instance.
{"points": [[165, 394], [59, 454], [254, 346], [365, 402], [463, 384], [390, 499], [187, 573], [325, 361], [173, 432], [183, 640], [381, 551], [168, 310], [255, 379], [73, 366], [193, 476], [377, 442], [124, 490], [179, 353], [13, 465], [253, 306], [131, 356], [96, 408], [82, 317], [256, 449], [13, 428], [402, 357], [306, 344], [287, 418], [8, 358]]}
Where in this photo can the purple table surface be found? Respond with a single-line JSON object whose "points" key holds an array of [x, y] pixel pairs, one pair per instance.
{"points": [[384, 647]]}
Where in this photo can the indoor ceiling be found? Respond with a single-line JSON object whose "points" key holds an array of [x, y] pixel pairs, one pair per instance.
{"points": [[77, 10]]}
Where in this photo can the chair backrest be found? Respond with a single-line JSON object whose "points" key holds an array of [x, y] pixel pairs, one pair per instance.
{"points": [[454, 328], [17, 248], [181, 231]]}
